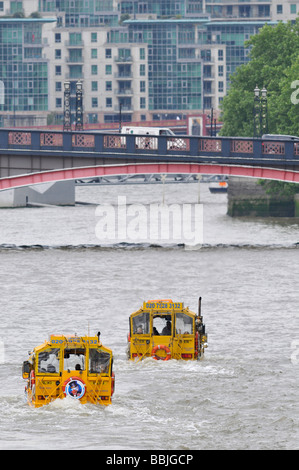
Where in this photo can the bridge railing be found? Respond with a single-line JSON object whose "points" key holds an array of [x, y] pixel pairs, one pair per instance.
{"points": [[139, 145]]}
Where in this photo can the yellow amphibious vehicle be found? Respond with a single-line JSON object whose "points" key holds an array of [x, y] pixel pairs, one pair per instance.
{"points": [[163, 330], [79, 367]]}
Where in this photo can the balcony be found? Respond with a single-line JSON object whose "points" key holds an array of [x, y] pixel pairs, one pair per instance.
{"points": [[123, 60], [74, 43], [123, 75], [124, 92]]}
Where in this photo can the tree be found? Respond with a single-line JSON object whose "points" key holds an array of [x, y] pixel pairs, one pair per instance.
{"points": [[274, 63]]}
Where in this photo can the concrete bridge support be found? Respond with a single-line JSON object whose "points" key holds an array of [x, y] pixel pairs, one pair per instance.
{"points": [[246, 197], [59, 193]]}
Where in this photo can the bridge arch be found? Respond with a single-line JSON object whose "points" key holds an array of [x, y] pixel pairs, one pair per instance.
{"points": [[277, 174]]}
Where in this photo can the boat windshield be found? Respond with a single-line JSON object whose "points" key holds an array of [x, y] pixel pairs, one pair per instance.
{"points": [[141, 323], [162, 325], [184, 324], [74, 359], [48, 361], [99, 361]]}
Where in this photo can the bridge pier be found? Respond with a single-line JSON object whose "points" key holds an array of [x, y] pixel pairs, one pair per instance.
{"points": [[59, 193], [246, 197]]}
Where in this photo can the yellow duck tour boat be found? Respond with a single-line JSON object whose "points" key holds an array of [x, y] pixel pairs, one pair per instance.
{"points": [[163, 330], [79, 367]]}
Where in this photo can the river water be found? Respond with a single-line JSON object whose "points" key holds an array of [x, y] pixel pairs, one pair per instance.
{"points": [[56, 278]]}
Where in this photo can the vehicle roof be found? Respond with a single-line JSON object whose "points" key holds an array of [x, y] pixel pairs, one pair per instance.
{"points": [[71, 341], [280, 137], [152, 306]]}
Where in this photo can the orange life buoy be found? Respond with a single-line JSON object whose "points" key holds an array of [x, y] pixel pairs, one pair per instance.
{"points": [[165, 348], [74, 387], [112, 383], [196, 343], [32, 379]]}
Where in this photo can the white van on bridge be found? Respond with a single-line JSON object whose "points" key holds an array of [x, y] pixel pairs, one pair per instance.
{"points": [[146, 130], [148, 141]]}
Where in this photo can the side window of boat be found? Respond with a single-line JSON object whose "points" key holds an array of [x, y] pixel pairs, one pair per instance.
{"points": [[48, 361], [184, 324], [141, 323], [99, 361]]}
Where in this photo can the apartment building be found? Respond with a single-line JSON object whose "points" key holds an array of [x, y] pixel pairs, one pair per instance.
{"points": [[284, 10], [145, 59]]}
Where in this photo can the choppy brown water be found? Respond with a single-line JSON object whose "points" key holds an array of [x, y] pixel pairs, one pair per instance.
{"points": [[244, 395]]}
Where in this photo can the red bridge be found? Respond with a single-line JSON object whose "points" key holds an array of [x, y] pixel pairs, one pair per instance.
{"points": [[29, 157], [148, 168]]}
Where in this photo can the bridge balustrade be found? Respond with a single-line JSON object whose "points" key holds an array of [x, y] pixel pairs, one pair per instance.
{"points": [[139, 145]]}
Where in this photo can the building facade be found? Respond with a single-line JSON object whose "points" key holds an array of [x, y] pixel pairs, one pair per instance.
{"points": [[143, 60]]}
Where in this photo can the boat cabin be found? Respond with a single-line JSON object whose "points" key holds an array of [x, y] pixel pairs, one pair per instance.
{"points": [[79, 367], [163, 330]]}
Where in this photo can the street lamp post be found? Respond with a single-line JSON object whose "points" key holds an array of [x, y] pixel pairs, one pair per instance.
{"points": [[256, 112], [260, 112], [264, 112], [79, 106], [67, 108]]}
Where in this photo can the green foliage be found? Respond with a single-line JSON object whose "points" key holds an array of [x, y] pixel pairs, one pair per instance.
{"points": [[274, 63], [280, 189]]}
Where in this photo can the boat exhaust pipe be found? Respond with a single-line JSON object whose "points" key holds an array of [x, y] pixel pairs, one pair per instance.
{"points": [[199, 307]]}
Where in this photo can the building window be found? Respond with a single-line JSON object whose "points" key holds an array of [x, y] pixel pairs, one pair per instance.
{"points": [[220, 70], [94, 53], [58, 70], [142, 103], [57, 53], [220, 87], [108, 53], [108, 69], [108, 102], [94, 102], [293, 7], [94, 86], [279, 9], [109, 86], [142, 86], [94, 37], [142, 53], [58, 86], [220, 54], [58, 103], [142, 70], [57, 37], [94, 70]]}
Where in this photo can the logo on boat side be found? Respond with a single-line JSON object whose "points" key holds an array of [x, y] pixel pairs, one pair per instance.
{"points": [[150, 223], [75, 389]]}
